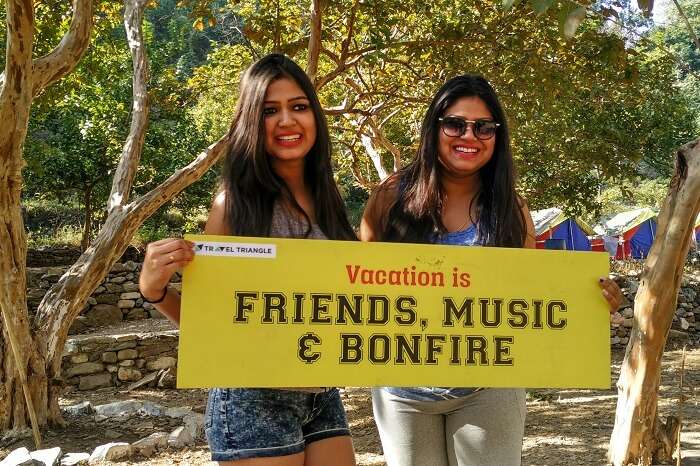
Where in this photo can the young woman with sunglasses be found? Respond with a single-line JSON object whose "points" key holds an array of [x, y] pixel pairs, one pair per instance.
{"points": [[459, 190], [277, 181]]}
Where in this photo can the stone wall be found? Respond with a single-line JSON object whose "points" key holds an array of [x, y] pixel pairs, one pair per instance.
{"points": [[50, 256], [685, 328], [117, 298], [96, 361]]}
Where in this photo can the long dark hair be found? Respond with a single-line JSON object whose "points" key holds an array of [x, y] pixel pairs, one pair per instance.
{"points": [[416, 214], [251, 185]]}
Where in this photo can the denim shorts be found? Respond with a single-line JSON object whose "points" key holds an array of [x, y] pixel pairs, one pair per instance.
{"points": [[260, 422]]}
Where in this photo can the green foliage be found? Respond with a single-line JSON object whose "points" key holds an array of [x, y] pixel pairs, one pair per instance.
{"points": [[632, 194], [78, 128], [677, 37]]}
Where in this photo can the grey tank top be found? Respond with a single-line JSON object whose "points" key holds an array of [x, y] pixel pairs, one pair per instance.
{"points": [[288, 224]]}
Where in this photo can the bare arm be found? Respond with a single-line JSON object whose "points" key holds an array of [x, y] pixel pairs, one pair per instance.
{"points": [[165, 257]]}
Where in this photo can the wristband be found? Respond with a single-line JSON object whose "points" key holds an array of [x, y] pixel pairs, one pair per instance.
{"points": [[159, 300]]}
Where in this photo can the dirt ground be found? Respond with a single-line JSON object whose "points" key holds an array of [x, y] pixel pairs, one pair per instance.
{"points": [[564, 427]]}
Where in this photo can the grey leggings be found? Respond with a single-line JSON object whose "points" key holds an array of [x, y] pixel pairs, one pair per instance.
{"points": [[482, 429]]}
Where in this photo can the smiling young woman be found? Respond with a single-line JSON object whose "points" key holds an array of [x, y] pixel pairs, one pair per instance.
{"points": [[276, 181], [459, 190]]}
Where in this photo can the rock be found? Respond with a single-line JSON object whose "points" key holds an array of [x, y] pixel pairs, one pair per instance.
{"points": [[79, 358], [164, 362], [130, 287], [152, 350], [194, 423], [615, 341], [628, 323], [180, 438], [118, 267], [112, 434], [691, 294], [177, 413], [111, 368], [685, 325], [75, 459], [91, 382], [628, 312], [79, 409], [110, 452], [168, 379], [84, 369], [126, 363], [126, 303], [53, 274], [104, 314], [47, 457], [130, 295], [107, 298], [151, 409], [127, 354], [109, 357], [137, 313], [139, 383], [140, 363], [677, 335], [118, 280], [126, 374], [19, 457], [122, 345], [114, 288], [118, 408], [126, 337], [79, 325], [149, 445]]}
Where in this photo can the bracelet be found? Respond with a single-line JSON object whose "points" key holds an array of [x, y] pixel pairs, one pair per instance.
{"points": [[159, 300]]}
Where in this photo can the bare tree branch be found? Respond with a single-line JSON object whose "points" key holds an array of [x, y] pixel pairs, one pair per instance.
{"points": [[64, 301], [65, 57], [314, 39], [133, 147]]}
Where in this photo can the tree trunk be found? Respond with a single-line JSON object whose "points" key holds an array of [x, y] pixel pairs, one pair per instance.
{"points": [[21, 80], [87, 227], [639, 437]]}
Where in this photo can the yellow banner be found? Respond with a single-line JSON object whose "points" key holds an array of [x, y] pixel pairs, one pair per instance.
{"points": [[267, 312]]}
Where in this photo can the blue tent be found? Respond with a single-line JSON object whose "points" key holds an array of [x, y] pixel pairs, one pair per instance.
{"points": [[555, 230], [635, 230]]}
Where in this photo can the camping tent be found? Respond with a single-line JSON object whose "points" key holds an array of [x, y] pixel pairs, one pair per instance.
{"points": [[635, 231], [556, 230]]}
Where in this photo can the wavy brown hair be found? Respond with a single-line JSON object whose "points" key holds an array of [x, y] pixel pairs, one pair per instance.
{"points": [[252, 187], [416, 215]]}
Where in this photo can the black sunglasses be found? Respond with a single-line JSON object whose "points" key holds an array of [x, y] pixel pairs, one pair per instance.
{"points": [[455, 127]]}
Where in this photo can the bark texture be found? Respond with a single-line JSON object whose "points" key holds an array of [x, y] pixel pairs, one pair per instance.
{"points": [[639, 436], [20, 359]]}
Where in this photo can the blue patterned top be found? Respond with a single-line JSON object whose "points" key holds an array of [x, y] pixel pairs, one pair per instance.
{"points": [[466, 237]]}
